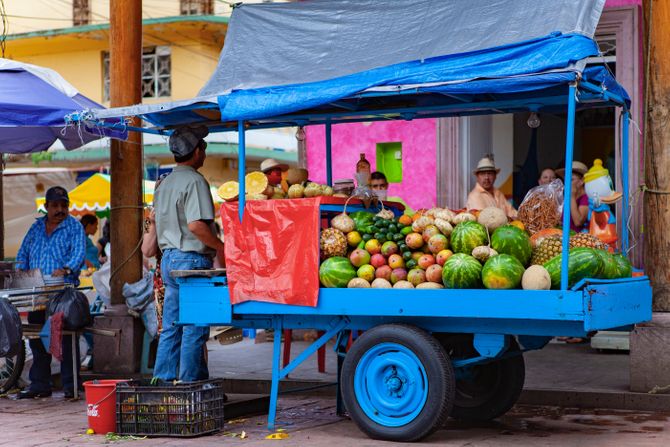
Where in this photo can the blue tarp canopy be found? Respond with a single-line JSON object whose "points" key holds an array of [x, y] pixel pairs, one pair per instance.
{"points": [[310, 62], [33, 103]]}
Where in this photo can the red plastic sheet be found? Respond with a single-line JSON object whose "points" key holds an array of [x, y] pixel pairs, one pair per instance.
{"points": [[273, 255]]}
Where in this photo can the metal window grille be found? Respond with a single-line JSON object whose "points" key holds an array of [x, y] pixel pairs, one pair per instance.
{"points": [[195, 7], [156, 73], [81, 12]]}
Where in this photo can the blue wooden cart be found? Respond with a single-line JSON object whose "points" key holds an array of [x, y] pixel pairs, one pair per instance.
{"points": [[424, 355]]}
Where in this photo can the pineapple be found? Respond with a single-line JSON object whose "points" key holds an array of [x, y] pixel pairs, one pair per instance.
{"points": [[587, 240], [548, 248], [333, 243]]}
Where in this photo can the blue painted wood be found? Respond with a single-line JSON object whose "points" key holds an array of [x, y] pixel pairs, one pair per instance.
{"points": [[567, 194], [241, 166], [615, 304]]}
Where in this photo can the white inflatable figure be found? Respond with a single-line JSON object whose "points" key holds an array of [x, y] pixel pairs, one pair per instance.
{"points": [[599, 189]]}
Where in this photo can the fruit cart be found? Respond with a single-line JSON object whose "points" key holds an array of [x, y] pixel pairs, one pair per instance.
{"points": [[423, 355]]}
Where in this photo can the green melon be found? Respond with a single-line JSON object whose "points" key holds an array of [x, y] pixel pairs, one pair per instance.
{"points": [[624, 267], [468, 235], [462, 271], [336, 272], [610, 268], [502, 272], [513, 241], [583, 263]]}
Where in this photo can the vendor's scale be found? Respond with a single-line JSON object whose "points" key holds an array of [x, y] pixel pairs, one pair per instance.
{"points": [[425, 354]]}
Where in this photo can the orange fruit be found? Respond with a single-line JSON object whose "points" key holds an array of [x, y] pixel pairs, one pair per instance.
{"points": [[405, 219], [518, 224]]}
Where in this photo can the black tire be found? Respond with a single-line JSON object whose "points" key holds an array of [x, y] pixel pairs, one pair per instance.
{"points": [[11, 368], [485, 392], [437, 390]]}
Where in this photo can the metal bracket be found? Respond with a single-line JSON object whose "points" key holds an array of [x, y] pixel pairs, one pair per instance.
{"points": [[490, 345]]}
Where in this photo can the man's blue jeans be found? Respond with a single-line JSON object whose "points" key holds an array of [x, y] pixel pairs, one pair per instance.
{"points": [[180, 352]]}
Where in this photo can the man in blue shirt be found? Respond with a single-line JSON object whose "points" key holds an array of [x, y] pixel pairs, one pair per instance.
{"points": [[55, 244]]}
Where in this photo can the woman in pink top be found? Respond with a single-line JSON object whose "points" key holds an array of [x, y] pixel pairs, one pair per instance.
{"points": [[579, 201]]}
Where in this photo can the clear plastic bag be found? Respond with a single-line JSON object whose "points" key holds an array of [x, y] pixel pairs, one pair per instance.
{"points": [[542, 207]]}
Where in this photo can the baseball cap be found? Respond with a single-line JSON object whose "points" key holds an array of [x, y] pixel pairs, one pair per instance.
{"points": [[185, 139], [56, 194]]}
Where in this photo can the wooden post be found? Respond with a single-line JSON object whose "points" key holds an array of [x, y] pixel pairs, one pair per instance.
{"points": [[126, 156], [657, 151]]}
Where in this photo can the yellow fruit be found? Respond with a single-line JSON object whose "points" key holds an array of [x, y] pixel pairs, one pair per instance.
{"points": [[354, 238], [255, 183], [518, 224], [90, 431], [229, 190]]}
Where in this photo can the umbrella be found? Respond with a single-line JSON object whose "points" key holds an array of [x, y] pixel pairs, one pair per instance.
{"points": [[33, 104], [94, 195]]}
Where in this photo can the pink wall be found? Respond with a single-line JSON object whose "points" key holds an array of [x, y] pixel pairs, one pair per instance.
{"points": [[349, 140]]}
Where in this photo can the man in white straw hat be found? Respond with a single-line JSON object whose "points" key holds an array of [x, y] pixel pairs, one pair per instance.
{"points": [[273, 170], [484, 194]]}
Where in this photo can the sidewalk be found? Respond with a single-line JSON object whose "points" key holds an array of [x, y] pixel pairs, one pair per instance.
{"points": [[560, 374]]}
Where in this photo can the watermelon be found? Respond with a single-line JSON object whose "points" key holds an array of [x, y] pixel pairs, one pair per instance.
{"points": [[610, 269], [502, 272], [468, 235], [336, 272], [583, 263], [624, 267], [511, 240], [462, 271]]}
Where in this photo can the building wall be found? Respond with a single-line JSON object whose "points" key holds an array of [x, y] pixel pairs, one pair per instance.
{"points": [[349, 140]]}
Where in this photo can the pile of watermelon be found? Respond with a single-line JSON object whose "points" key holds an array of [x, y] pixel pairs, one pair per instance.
{"points": [[439, 248]]}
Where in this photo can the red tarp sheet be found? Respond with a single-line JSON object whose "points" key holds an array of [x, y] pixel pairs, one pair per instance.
{"points": [[273, 255]]}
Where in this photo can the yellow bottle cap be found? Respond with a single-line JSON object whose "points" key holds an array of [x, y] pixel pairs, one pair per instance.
{"points": [[596, 171]]}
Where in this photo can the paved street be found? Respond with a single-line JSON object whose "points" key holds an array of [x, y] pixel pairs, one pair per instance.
{"points": [[312, 421]]}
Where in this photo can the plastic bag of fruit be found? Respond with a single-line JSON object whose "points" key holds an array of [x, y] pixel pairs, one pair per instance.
{"points": [[542, 207]]}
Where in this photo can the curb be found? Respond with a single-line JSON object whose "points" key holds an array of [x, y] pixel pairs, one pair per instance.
{"points": [[615, 400]]}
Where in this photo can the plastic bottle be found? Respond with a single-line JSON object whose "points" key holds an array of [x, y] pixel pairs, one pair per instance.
{"points": [[362, 171]]}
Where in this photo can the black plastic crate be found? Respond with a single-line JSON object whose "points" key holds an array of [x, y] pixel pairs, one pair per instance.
{"points": [[166, 409]]}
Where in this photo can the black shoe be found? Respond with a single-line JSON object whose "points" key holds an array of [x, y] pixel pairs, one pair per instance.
{"points": [[29, 394], [68, 394]]}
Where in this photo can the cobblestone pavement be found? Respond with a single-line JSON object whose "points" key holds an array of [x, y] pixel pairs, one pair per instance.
{"points": [[312, 421]]}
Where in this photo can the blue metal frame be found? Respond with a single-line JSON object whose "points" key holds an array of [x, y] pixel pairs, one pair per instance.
{"points": [[329, 156], [242, 167], [567, 184]]}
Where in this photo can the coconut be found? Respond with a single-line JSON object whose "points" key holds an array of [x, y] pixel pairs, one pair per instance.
{"points": [[381, 283], [463, 217], [430, 285], [492, 217], [536, 277], [312, 189], [403, 285], [296, 192], [358, 283], [421, 223], [444, 226], [386, 214], [445, 214], [483, 253], [343, 222]]}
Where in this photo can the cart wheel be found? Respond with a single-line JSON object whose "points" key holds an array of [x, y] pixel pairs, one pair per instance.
{"points": [[398, 383], [11, 368], [485, 392]]}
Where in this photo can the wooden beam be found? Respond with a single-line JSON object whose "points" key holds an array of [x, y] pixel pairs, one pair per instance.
{"points": [[126, 156], [657, 151]]}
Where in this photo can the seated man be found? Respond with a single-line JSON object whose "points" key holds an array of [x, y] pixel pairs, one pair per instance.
{"points": [[380, 186], [484, 194]]}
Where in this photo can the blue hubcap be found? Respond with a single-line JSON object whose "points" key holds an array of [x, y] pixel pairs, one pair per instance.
{"points": [[391, 384]]}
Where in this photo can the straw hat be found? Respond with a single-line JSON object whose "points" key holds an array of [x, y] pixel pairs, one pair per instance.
{"points": [[486, 164], [577, 166], [271, 163]]}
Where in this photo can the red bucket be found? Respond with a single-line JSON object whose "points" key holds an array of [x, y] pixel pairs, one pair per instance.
{"points": [[101, 405]]}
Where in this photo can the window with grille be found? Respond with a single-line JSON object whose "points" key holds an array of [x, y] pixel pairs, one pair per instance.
{"points": [[81, 12], [195, 7], [156, 72]]}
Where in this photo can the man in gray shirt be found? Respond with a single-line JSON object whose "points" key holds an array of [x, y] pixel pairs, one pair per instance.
{"points": [[186, 236]]}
